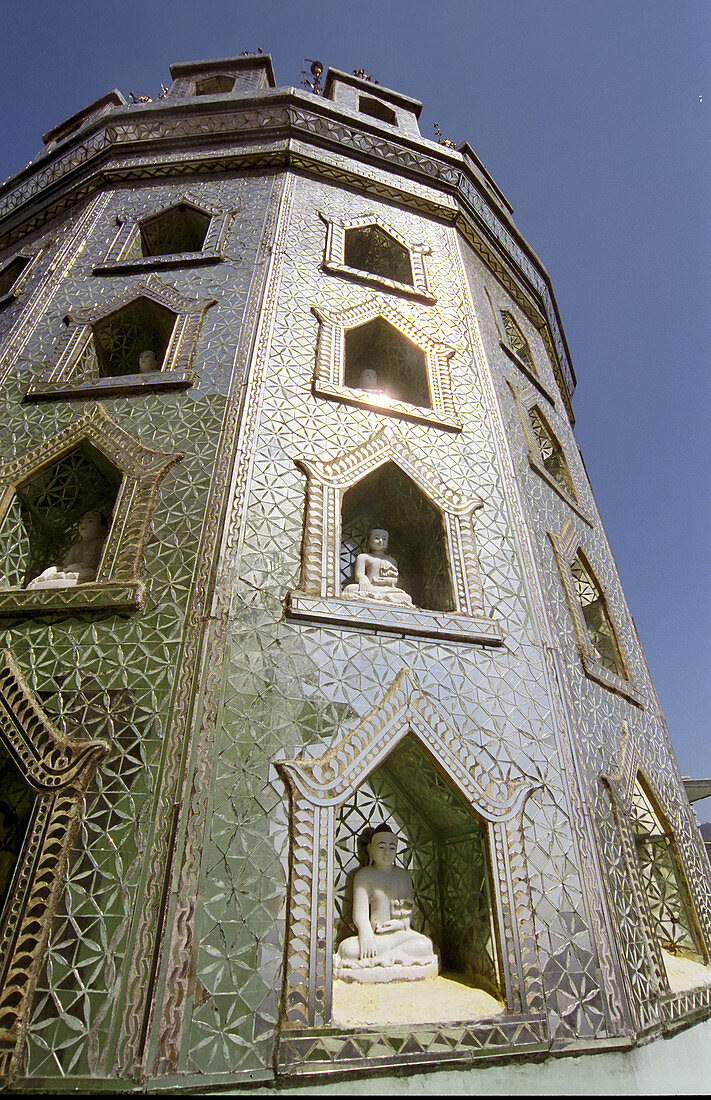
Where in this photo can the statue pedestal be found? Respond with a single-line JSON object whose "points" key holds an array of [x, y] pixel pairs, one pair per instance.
{"points": [[369, 975]]}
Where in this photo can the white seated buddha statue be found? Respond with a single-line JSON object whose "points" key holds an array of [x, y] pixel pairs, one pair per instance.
{"points": [[386, 948], [376, 574]]}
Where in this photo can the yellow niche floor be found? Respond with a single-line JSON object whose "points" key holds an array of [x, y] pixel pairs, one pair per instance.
{"points": [[437, 1000], [684, 973]]}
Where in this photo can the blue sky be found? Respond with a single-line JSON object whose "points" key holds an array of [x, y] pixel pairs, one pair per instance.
{"points": [[593, 118]]}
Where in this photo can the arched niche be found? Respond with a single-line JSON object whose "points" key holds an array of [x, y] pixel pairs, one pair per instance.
{"points": [[188, 230], [443, 843], [92, 464], [47, 506], [99, 349], [373, 250], [368, 249], [180, 228], [366, 481], [589, 595], [413, 375], [118, 340], [664, 880], [670, 912], [405, 760], [398, 367], [389, 499]]}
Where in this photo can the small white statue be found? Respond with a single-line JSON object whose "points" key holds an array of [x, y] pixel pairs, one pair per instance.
{"points": [[147, 362], [369, 380], [81, 561], [386, 948], [376, 574]]}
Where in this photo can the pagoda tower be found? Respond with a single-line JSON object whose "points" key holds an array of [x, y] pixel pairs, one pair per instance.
{"points": [[297, 551]]}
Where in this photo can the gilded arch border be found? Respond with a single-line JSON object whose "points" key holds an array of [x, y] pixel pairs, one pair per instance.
{"points": [[319, 591], [58, 769], [330, 360], [130, 219], [118, 581], [319, 787], [58, 380], [334, 256]]}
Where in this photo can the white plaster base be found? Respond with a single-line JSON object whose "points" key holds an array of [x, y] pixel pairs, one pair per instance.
{"points": [[433, 1000]]}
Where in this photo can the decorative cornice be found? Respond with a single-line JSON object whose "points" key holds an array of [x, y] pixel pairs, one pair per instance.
{"points": [[84, 162]]}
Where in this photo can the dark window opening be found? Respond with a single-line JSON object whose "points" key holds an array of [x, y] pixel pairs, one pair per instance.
{"points": [[372, 249], [17, 801], [551, 451], [518, 341], [388, 499], [215, 85], [380, 359], [376, 109], [11, 273], [132, 340], [663, 876], [180, 229]]}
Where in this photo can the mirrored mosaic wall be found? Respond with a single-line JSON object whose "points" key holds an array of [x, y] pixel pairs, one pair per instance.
{"points": [[190, 940]]}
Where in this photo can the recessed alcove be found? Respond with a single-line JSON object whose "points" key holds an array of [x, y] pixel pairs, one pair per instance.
{"points": [[220, 84], [597, 618], [369, 248], [117, 340], [376, 109], [443, 844], [17, 801], [41, 522], [11, 273], [389, 499], [180, 228], [663, 877], [400, 365]]}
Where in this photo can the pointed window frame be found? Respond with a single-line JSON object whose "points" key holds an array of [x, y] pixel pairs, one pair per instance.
{"points": [[318, 596], [334, 257], [319, 786], [56, 381], [526, 400], [32, 256], [119, 583], [567, 546], [620, 780], [330, 364], [129, 221]]}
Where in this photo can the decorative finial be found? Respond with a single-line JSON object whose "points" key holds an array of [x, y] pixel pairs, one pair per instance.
{"points": [[315, 68], [363, 75], [443, 140]]}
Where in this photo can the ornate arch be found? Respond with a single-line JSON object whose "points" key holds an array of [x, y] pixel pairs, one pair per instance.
{"points": [[120, 254], [334, 256], [58, 770], [319, 594], [319, 787], [63, 375], [118, 581], [330, 363], [569, 545], [538, 434]]}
